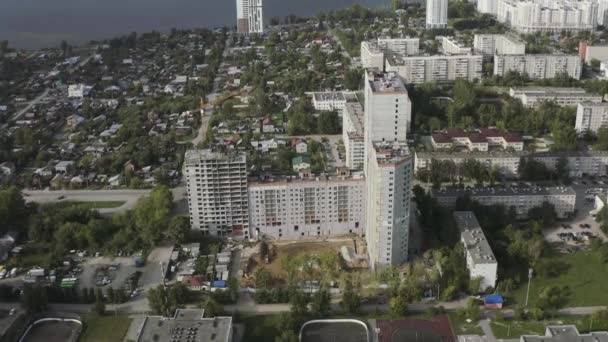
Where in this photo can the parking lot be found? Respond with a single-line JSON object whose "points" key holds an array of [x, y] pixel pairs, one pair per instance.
{"points": [[106, 272]]}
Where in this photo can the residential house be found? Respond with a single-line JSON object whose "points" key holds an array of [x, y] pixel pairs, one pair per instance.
{"points": [[267, 125], [75, 120], [301, 146], [300, 163], [64, 167]]}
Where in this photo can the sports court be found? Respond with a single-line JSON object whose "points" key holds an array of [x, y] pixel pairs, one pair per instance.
{"points": [[437, 329], [334, 331]]}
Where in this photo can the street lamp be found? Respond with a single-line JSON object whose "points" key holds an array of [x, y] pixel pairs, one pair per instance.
{"points": [[530, 273]]}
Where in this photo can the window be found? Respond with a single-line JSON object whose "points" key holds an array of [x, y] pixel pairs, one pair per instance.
{"points": [[295, 228]]}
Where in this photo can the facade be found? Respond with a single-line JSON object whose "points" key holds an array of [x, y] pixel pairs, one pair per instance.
{"points": [[401, 46], [371, 56], [329, 101], [487, 6], [521, 199], [388, 168], [185, 325], [591, 52], [479, 140], [353, 135], [531, 97], [498, 44], [436, 14], [481, 261], [216, 184], [438, 68], [453, 46], [559, 333], [249, 16], [548, 16], [538, 67], [591, 116], [307, 207], [592, 163]]}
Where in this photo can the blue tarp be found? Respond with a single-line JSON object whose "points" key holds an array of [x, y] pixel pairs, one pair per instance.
{"points": [[219, 284], [493, 299]]}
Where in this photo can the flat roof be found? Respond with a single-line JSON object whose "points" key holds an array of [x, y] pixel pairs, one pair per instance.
{"points": [[195, 156], [593, 104], [391, 153], [329, 96], [188, 325], [356, 114], [474, 239], [385, 82], [400, 60], [566, 333], [509, 191], [551, 91], [516, 154], [334, 331]]}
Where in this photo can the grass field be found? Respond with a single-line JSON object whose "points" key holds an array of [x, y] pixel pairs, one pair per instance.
{"points": [[261, 328], [97, 204], [105, 328], [462, 327], [587, 278], [513, 329]]}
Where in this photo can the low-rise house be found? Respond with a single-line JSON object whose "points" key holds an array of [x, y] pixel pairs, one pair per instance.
{"points": [[300, 163], [194, 282], [74, 121], [267, 125], [64, 167], [115, 180], [301, 147]]}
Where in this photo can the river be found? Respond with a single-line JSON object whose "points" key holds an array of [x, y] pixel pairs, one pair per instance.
{"points": [[43, 23]]}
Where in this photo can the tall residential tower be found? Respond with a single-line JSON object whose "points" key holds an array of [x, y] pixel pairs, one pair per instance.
{"points": [[436, 14], [249, 18]]}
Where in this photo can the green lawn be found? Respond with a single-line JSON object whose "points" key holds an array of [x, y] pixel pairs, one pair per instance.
{"points": [[108, 328], [261, 328], [509, 328], [462, 327], [587, 278], [97, 204]]}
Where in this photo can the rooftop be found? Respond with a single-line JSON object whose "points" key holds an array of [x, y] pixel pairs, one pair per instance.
{"points": [[188, 325], [195, 156], [385, 82], [566, 333], [473, 237], [509, 191], [507, 154], [329, 96], [550, 91], [356, 113], [478, 136], [391, 153]]}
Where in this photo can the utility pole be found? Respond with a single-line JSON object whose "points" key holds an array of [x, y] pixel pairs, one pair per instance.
{"points": [[530, 273]]}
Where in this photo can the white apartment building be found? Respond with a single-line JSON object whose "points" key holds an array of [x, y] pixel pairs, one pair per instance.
{"points": [[487, 6], [531, 97], [329, 101], [602, 12], [481, 140], [249, 16], [216, 183], [548, 15], [591, 116], [453, 46], [436, 14], [400, 46], [79, 91], [388, 168], [353, 117], [521, 199], [498, 44], [438, 68], [307, 207], [389, 174], [371, 56], [538, 67], [481, 261]]}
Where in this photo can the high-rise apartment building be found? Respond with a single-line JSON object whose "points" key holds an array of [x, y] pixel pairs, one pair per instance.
{"points": [[538, 67], [498, 44], [352, 134], [438, 68], [591, 116], [388, 168], [249, 16], [487, 6], [373, 51], [216, 184], [436, 14], [548, 15]]}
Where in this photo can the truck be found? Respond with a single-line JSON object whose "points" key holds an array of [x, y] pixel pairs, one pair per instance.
{"points": [[13, 272], [139, 262], [36, 272]]}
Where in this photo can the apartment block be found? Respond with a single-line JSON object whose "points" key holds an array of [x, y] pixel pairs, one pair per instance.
{"points": [[453, 46], [302, 207], [216, 183], [559, 333], [487, 6], [548, 16], [371, 56], [538, 67], [249, 16], [438, 68], [531, 97], [328, 101], [591, 116], [481, 261], [498, 44], [436, 14], [400, 46], [521, 199], [353, 117], [478, 140], [506, 163], [389, 174]]}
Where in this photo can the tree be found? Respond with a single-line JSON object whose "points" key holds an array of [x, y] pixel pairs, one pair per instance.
{"points": [[328, 123], [320, 305], [562, 171], [14, 213], [350, 299], [353, 79], [34, 298], [161, 302], [398, 306], [472, 310], [212, 308], [545, 214], [262, 277], [100, 306], [287, 336], [553, 298], [602, 139], [564, 137], [178, 230]]}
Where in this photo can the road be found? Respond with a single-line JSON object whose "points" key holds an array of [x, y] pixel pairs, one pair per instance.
{"points": [[29, 106], [354, 64]]}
